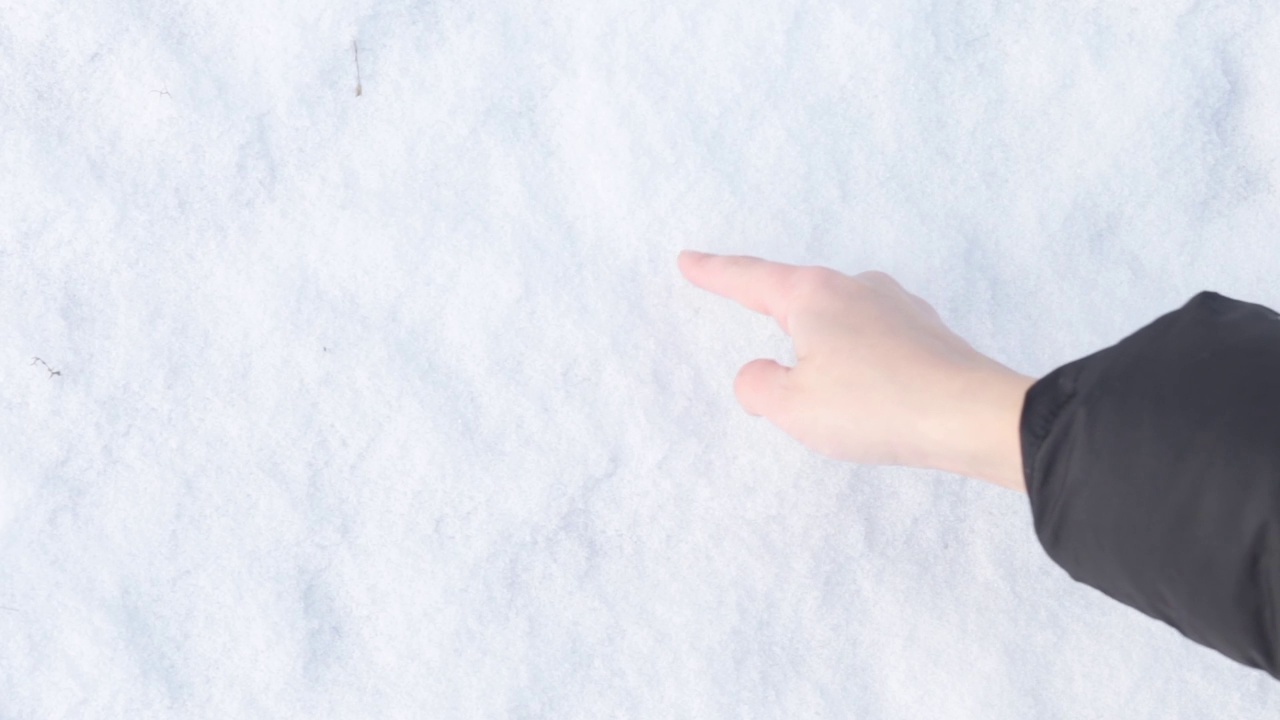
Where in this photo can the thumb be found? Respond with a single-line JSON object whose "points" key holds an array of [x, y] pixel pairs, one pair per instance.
{"points": [[759, 387]]}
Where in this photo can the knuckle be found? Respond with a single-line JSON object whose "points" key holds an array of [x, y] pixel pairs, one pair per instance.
{"points": [[877, 277], [815, 281]]}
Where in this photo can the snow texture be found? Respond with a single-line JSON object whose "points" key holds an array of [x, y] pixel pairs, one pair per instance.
{"points": [[396, 406]]}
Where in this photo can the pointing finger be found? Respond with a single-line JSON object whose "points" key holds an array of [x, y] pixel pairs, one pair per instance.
{"points": [[759, 285]]}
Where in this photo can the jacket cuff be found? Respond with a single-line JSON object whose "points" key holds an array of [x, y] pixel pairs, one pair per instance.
{"points": [[1153, 473]]}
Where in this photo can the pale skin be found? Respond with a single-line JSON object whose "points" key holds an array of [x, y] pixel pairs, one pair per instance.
{"points": [[878, 379]]}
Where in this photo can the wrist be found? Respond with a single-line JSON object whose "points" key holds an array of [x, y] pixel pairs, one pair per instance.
{"points": [[986, 425]]}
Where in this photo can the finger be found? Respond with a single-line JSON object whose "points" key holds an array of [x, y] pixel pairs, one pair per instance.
{"points": [[760, 387], [759, 285]]}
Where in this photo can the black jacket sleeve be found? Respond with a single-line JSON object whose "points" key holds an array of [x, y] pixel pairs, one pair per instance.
{"points": [[1153, 472]]}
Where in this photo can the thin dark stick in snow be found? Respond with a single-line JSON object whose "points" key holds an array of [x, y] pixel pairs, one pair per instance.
{"points": [[356, 49], [52, 372], [165, 91]]}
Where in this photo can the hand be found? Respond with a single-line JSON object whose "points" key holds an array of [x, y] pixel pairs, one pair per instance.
{"points": [[879, 379]]}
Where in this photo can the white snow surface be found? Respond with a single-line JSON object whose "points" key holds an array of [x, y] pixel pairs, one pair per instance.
{"points": [[396, 406]]}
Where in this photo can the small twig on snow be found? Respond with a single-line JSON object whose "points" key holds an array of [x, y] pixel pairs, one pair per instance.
{"points": [[52, 372], [356, 49]]}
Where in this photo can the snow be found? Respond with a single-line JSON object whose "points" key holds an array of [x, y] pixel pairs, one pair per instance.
{"points": [[396, 405]]}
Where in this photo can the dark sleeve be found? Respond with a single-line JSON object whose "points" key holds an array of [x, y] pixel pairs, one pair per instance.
{"points": [[1153, 472]]}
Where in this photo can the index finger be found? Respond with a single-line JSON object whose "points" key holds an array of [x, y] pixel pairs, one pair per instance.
{"points": [[759, 285]]}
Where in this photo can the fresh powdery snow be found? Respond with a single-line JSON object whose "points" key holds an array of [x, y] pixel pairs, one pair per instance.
{"points": [[317, 404]]}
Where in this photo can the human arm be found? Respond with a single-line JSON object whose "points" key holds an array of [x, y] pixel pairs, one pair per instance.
{"points": [[1152, 467]]}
